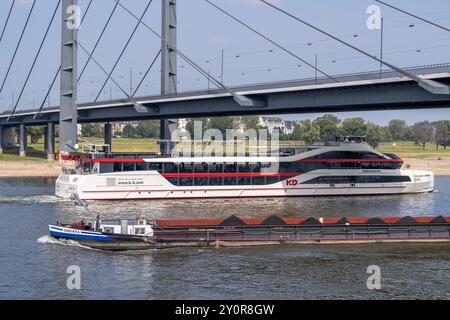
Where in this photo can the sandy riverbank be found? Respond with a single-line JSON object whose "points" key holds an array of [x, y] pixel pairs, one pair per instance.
{"points": [[18, 169], [22, 169], [439, 167]]}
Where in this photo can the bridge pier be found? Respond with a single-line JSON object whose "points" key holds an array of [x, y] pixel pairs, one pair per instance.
{"points": [[108, 135], [7, 137], [23, 140], [50, 141]]}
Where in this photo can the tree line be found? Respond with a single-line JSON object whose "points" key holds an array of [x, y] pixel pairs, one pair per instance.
{"points": [[397, 130], [309, 131]]}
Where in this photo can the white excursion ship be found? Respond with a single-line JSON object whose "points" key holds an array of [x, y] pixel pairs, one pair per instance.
{"points": [[332, 169]]}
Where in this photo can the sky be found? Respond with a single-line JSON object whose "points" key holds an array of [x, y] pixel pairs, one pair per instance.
{"points": [[203, 32]]}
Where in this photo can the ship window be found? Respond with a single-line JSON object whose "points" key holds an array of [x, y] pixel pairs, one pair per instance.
{"points": [[272, 180], [259, 181], [106, 167], [139, 231], [215, 168], [383, 179], [370, 155], [201, 181], [230, 181], [186, 168], [358, 179], [201, 168], [244, 168], [118, 167], [129, 167], [230, 168], [216, 181], [108, 230], [170, 168], [186, 181], [141, 166], [256, 168], [347, 155], [244, 181]]}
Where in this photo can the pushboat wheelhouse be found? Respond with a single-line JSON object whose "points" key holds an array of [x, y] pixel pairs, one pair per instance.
{"points": [[332, 169]]}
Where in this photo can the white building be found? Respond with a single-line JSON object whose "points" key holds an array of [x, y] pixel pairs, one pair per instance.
{"points": [[272, 123]]}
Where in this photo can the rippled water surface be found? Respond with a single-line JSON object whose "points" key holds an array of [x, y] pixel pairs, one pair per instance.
{"points": [[33, 266]]}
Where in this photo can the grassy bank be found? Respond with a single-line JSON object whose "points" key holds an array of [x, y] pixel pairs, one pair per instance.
{"points": [[407, 149], [404, 149]]}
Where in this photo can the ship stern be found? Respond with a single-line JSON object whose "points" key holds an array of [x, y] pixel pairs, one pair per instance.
{"points": [[67, 185]]}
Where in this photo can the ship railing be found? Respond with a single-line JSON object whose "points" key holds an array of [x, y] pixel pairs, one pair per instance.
{"points": [[306, 232]]}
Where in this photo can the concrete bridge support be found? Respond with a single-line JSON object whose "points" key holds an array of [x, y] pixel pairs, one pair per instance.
{"points": [[23, 140], [7, 137], [50, 141], [108, 134]]}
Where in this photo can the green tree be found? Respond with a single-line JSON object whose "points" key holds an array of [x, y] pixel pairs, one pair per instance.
{"points": [[35, 133], [92, 130], [191, 122], [223, 124], [251, 122], [310, 132], [297, 134], [129, 131], [354, 127], [329, 126], [442, 134], [374, 135], [148, 129], [397, 129], [422, 133], [385, 134]]}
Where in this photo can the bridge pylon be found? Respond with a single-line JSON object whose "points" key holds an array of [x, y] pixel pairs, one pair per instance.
{"points": [[168, 68]]}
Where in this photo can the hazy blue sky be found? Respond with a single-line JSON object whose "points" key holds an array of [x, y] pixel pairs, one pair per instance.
{"points": [[203, 32]]}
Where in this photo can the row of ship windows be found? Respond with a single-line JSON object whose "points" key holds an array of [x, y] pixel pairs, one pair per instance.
{"points": [[285, 167], [243, 181]]}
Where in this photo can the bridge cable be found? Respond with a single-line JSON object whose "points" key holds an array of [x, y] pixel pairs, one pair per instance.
{"points": [[240, 99], [146, 73], [413, 15], [270, 40], [108, 74], [7, 20], [17, 47], [36, 58], [429, 85], [59, 70], [98, 41], [124, 48]]}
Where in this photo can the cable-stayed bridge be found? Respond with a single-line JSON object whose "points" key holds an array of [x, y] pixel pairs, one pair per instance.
{"points": [[419, 87]]}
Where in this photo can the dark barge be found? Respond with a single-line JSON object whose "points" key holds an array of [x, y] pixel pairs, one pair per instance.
{"points": [[117, 235]]}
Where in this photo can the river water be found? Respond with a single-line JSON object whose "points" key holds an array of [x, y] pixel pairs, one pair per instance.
{"points": [[33, 266]]}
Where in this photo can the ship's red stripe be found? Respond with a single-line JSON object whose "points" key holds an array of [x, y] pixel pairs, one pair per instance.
{"points": [[132, 160], [118, 160], [225, 175]]}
